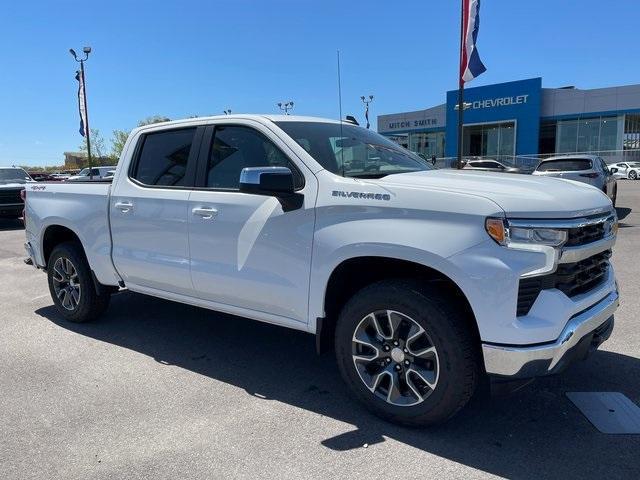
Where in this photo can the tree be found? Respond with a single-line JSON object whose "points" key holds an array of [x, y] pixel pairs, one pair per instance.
{"points": [[153, 119], [117, 142], [119, 137], [97, 144]]}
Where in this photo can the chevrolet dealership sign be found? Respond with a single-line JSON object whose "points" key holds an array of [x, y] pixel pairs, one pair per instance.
{"points": [[495, 102]]}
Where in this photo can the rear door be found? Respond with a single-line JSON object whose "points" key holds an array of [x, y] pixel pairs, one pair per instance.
{"points": [[247, 251], [609, 181], [149, 211]]}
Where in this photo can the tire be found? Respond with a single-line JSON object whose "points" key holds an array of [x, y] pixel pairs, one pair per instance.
{"points": [[442, 383], [71, 284], [633, 175]]}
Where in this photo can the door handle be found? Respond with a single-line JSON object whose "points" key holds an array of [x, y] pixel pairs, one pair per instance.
{"points": [[205, 213], [124, 207]]}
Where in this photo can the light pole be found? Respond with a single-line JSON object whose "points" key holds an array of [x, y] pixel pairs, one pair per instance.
{"points": [[286, 106], [227, 111], [366, 102], [82, 98]]}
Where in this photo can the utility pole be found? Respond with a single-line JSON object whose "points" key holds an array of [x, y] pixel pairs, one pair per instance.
{"points": [[82, 101], [366, 102]]}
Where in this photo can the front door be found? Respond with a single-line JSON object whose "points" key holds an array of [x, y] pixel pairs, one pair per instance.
{"points": [[149, 212], [247, 251]]}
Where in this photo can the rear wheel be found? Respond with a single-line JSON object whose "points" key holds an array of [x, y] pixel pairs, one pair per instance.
{"points": [[633, 175], [71, 284], [405, 352]]}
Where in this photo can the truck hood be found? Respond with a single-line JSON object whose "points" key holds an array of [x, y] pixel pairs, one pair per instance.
{"points": [[520, 196]]}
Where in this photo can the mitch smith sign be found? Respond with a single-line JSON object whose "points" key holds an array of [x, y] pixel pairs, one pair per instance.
{"points": [[424, 122]]}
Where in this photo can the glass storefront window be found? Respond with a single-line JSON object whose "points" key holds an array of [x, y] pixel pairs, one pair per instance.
{"points": [[494, 140], [427, 144], [609, 134], [507, 140], [587, 135], [567, 136]]}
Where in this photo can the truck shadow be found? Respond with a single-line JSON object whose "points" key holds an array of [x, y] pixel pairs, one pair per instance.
{"points": [[7, 224], [535, 433], [622, 212]]}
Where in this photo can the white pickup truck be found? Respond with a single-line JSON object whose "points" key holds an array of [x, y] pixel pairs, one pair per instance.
{"points": [[423, 281]]}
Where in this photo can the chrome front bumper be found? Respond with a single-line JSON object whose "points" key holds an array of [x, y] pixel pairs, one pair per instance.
{"points": [[542, 359]]}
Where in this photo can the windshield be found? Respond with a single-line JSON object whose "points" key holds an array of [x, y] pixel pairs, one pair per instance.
{"points": [[13, 175], [353, 151], [569, 165]]}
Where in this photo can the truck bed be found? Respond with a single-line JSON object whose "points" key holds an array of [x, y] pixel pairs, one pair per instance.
{"points": [[81, 207]]}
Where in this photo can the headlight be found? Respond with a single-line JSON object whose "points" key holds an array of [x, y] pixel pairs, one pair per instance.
{"points": [[540, 236], [546, 241], [502, 233]]}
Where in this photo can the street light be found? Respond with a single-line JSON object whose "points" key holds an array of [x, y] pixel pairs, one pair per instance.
{"points": [[286, 106], [366, 102], [227, 111], [84, 111]]}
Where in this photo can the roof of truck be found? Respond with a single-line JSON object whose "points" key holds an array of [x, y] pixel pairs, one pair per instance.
{"points": [[257, 117]]}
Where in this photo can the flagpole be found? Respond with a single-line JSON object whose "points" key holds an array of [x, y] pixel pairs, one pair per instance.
{"points": [[87, 129], [460, 89]]}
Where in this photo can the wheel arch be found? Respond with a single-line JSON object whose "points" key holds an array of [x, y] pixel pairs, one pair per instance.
{"points": [[54, 235], [353, 274]]}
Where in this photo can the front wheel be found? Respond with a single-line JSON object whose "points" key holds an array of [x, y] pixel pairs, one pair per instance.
{"points": [[406, 352], [633, 175], [71, 284]]}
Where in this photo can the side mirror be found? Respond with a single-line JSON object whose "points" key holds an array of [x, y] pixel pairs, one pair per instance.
{"points": [[613, 170], [269, 181]]}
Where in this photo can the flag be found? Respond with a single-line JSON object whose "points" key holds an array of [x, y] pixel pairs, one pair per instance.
{"points": [[470, 64], [82, 107]]}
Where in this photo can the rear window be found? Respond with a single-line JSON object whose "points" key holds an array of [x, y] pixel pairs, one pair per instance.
{"points": [[572, 165], [163, 157]]}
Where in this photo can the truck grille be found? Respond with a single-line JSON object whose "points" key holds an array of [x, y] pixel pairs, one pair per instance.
{"points": [[586, 234], [570, 278], [10, 196]]}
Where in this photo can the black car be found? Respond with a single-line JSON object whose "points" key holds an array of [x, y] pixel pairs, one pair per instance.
{"points": [[12, 182]]}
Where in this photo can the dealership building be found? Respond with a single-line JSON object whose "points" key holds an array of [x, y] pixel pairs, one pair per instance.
{"points": [[515, 120]]}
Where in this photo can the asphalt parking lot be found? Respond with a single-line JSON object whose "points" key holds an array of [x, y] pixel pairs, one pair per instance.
{"points": [[161, 390]]}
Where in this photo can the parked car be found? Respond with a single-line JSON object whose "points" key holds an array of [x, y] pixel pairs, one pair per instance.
{"points": [[12, 183], [109, 175], [98, 174], [43, 177], [489, 165], [422, 281], [590, 169], [60, 176], [630, 170]]}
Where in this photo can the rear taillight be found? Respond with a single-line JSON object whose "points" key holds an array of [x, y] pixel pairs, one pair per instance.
{"points": [[589, 175], [23, 196]]}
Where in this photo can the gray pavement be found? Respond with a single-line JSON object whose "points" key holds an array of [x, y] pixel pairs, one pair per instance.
{"points": [[161, 390]]}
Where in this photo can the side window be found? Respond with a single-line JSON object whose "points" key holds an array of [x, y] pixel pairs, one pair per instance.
{"points": [[603, 165], [238, 147], [162, 160]]}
